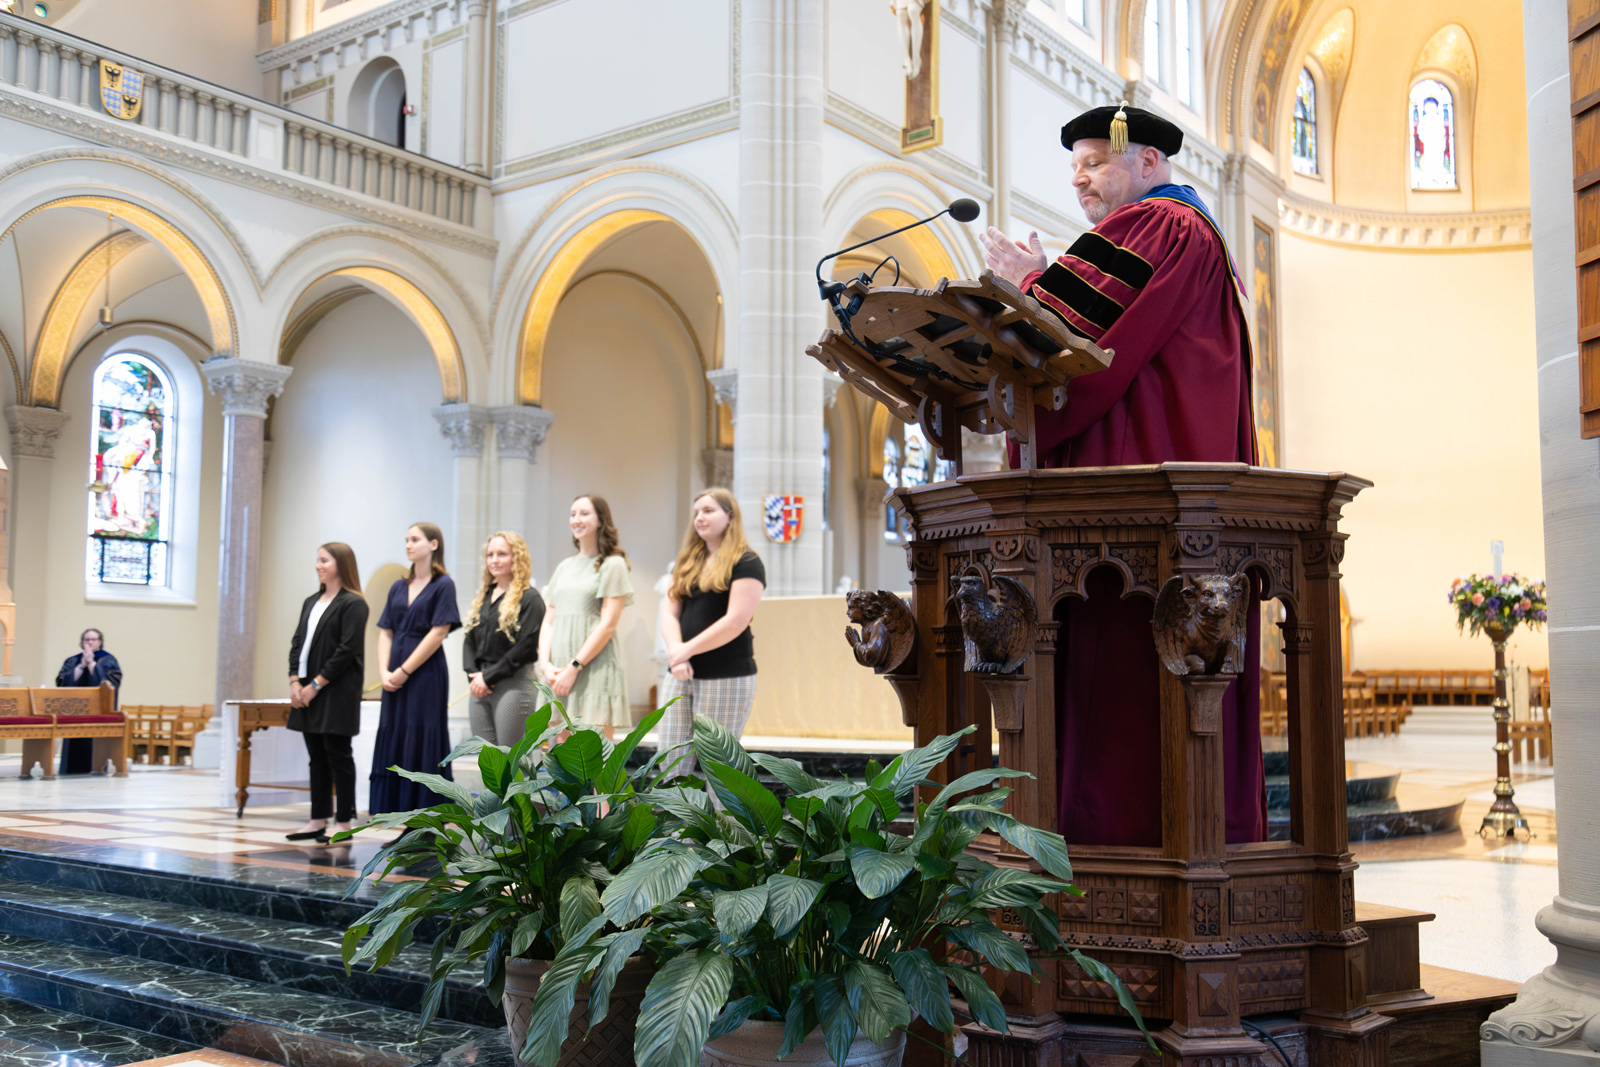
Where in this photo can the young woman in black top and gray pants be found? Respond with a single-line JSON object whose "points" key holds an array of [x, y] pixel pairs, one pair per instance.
{"points": [[502, 642], [326, 672], [717, 581]]}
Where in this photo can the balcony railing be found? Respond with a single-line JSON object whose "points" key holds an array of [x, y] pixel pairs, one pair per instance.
{"points": [[41, 63]]}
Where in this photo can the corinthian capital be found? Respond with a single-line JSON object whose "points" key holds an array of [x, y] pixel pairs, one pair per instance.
{"points": [[725, 386], [520, 429], [34, 430], [244, 385], [463, 425]]}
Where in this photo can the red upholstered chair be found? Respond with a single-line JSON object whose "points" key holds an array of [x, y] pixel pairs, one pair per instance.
{"points": [[83, 713]]}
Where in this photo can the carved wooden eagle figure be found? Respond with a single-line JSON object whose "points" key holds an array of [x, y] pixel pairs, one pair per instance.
{"points": [[997, 624], [1199, 623]]}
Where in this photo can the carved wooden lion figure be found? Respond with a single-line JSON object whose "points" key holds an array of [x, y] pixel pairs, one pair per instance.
{"points": [[1199, 623], [887, 629]]}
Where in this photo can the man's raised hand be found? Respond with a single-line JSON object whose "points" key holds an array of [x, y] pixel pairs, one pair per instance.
{"points": [[1012, 260]]}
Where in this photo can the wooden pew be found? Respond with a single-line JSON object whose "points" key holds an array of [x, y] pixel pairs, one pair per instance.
{"points": [[48, 715]]}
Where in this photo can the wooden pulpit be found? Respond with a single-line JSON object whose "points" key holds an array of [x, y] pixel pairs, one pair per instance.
{"points": [[1203, 933]]}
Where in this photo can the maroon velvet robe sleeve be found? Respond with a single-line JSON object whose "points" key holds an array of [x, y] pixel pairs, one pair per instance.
{"points": [[1152, 283]]}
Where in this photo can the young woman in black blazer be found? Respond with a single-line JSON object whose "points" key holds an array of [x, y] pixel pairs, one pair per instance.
{"points": [[325, 676]]}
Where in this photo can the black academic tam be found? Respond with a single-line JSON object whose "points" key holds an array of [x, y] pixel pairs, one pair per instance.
{"points": [[1144, 127]]}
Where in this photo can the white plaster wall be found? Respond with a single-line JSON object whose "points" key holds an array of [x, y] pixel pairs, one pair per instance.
{"points": [[356, 456], [629, 414], [445, 115], [961, 94], [210, 40], [1409, 370], [676, 57], [1040, 167], [863, 58], [167, 650]]}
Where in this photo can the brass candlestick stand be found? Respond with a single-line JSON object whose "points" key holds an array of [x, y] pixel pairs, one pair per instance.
{"points": [[1503, 818]]}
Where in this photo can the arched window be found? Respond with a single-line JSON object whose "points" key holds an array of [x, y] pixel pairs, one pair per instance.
{"points": [[1077, 11], [1305, 124], [1183, 52], [891, 478], [1152, 40], [1433, 136], [378, 102], [130, 476]]}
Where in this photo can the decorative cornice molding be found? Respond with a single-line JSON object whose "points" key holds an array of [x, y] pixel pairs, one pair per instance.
{"points": [[343, 33], [520, 429], [34, 430], [1403, 231], [245, 385], [725, 387], [464, 426]]}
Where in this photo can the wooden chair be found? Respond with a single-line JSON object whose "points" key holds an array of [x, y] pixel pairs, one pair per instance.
{"points": [[59, 714], [161, 738], [143, 722], [190, 721]]}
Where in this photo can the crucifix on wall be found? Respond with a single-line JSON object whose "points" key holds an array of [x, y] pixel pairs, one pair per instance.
{"points": [[918, 21]]}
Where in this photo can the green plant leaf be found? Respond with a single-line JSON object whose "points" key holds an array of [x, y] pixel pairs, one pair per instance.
{"points": [[679, 1004], [580, 754], [992, 945], [732, 1017], [751, 802], [714, 744], [925, 986], [527, 931], [647, 883], [790, 772], [788, 900], [1101, 973], [968, 782], [933, 867], [736, 912], [1048, 848], [439, 784], [880, 1007], [465, 748], [835, 1015], [495, 768], [615, 770], [533, 726], [877, 872], [915, 764], [552, 1006], [641, 824], [1010, 887], [618, 947], [580, 903], [981, 1001], [799, 1019], [803, 808]]}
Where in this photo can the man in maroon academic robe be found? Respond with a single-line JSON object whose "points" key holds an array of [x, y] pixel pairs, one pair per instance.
{"points": [[1153, 282]]}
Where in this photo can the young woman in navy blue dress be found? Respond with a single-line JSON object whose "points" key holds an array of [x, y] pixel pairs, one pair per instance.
{"points": [[413, 731]]}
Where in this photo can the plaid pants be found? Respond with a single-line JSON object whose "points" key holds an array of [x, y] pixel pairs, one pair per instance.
{"points": [[725, 700]]}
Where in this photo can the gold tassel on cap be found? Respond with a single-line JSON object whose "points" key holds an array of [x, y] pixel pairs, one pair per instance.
{"points": [[1119, 129]]}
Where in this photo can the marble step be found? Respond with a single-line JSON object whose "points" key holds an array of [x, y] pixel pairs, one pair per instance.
{"points": [[278, 952], [219, 1011], [32, 1036], [214, 884]]}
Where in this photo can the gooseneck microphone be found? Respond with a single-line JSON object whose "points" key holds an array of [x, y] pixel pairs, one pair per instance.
{"points": [[962, 210]]}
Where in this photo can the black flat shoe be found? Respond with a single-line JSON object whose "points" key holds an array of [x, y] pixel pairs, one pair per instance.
{"points": [[306, 835]]}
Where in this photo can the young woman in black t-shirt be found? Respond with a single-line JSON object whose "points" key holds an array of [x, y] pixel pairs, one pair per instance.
{"points": [[717, 581]]}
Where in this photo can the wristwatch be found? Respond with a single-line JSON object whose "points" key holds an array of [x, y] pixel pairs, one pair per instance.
{"points": [[577, 665], [316, 684]]}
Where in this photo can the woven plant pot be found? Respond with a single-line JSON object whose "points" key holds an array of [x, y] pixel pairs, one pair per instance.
{"points": [[610, 1044], [755, 1044]]}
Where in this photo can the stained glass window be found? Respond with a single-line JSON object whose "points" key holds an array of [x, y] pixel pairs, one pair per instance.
{"points": [[130, 476], [1152, 40], [1433, 136], [891, 478], [1305, 124], [1183, 72]]}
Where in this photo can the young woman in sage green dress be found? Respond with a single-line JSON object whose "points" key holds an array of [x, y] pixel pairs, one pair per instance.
{"points": [[585, 598]]}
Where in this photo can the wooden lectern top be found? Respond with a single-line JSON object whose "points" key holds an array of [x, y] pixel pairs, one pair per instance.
{"points": [[974, 353]]}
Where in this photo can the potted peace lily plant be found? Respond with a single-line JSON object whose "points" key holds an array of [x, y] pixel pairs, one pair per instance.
{"points": [[518, 868], [808, 930]]}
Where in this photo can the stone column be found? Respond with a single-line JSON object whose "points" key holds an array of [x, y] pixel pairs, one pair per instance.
{"points": [[475, 154], [465, 427], [519, 431], [1556, 1019], [244, 387], [1003, 18], [779, 447], [33, 449]]}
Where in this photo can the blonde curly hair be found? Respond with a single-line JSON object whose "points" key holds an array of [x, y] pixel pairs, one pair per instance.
{"points": [[521, 579]]}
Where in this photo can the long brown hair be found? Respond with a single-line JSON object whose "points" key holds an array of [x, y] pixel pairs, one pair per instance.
{"points": [[696, 569], [430, 532], [521, 578], [606, 536], [344, 558]]}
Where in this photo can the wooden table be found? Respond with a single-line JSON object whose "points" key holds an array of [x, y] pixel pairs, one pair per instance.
{"points": [[257, 715]]}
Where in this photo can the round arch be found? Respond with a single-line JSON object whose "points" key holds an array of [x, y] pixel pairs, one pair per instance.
{"points": [[424, 314], [893, 191], [49, 367]]}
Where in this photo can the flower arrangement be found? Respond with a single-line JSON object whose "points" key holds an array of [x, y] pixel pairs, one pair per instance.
{"points": [[1499, 600]]}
